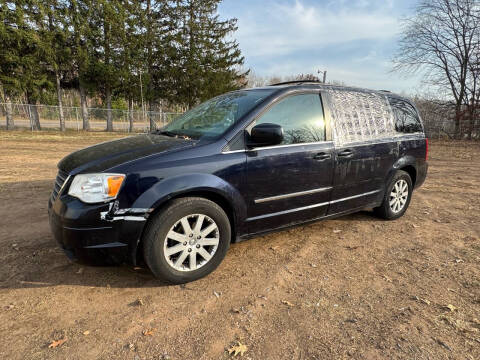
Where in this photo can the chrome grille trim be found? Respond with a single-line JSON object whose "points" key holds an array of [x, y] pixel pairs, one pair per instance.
{"points": [[60, 181]]}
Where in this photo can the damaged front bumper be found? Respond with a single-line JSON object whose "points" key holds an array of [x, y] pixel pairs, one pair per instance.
{"points": [[96, 233]]}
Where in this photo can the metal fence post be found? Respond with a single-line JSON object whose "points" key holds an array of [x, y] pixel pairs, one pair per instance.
{"points": [[76, 117], [30, 117]]}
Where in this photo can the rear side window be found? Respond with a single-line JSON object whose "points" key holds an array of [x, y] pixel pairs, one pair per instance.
{"points": [[301, 117], [406, 117], [360, 116]]}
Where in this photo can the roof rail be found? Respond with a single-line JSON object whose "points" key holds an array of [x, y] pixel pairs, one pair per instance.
{"points": [[297, 82], [385, 91]]}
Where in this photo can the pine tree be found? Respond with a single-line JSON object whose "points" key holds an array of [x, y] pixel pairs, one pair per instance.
{"points": [[54, 35], [158, 32], [78, 18], [178, 52], [209, 60], [131, 57], [23, 62], [105, 32], [10, 55]]}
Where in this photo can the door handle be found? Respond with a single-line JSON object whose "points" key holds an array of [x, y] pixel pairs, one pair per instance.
{"points": [[345, 153], [322, 156]]}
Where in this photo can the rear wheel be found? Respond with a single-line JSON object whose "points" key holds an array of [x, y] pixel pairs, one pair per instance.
{"points": [[187, 240], [397, 197]]}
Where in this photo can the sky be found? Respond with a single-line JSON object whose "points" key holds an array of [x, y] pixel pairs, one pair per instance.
{"points": [[354, 40]]}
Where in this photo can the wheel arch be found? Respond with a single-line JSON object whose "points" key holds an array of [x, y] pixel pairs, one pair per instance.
{"points": [[412, 171], [225, 196], [407, 164]]}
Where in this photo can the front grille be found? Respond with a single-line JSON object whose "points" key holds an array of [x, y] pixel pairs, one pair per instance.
{"points": [[59, 181]]}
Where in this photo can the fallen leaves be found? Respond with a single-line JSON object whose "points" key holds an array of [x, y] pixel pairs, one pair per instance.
{"points": [[460, 325], [387, 278], [238, 349], [442, 343], [476, 323], [149, 332], [451, 307], [138, 302], [57, 343]]}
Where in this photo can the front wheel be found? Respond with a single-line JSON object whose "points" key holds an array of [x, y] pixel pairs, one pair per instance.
{"points": [[397, 197], [187, 240]]}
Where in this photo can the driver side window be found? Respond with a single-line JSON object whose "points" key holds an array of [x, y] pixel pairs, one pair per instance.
{"points": [[301, 117]]}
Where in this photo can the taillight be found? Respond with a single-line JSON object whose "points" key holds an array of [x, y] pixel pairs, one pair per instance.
{"points": [[426, 149]]}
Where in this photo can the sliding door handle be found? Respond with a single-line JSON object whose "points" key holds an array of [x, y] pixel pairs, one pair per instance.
{"points": [[322, 156], [345, 153]]}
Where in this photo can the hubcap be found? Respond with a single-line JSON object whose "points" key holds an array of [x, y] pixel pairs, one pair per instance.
{"points": [[191, 242], [398, 196]]}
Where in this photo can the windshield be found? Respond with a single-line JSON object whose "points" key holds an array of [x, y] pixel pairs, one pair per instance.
{"points": [[213, 117]]}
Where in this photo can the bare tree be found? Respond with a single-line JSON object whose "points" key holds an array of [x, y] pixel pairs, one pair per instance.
{"points": [[472, 100], [439, 41]]}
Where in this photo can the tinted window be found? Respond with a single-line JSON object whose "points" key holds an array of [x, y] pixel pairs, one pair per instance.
{"points": [[213, 117], [301, 117], [406, 117]]}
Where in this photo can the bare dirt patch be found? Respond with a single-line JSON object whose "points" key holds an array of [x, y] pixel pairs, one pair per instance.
{"points": [[354, 287]]}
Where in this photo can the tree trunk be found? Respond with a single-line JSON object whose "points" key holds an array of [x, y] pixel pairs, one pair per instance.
{"points": [[471, 124], [108, 100], [473, 117], [33, 112], [149, 90], [130, 115], [153, 126], [458, 109], [83, 102], [8, 112], [60, 104]]}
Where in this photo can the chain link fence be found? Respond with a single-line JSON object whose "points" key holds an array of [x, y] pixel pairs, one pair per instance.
{"points": [[439, 120], [49, 116]]}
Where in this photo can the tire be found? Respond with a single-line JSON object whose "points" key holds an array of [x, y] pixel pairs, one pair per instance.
{"points": [[398, 208], [172, 235]]}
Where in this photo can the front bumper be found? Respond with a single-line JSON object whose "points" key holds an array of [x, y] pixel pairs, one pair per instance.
{"points": [[87, 234]]}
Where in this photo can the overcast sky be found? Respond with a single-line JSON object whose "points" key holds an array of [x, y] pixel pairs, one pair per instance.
{"points": [[354, 40]]}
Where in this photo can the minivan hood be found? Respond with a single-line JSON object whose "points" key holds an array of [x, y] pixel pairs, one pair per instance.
{"points": [[106, 155]]}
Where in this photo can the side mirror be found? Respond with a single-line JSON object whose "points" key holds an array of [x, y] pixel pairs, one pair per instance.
{"points": [[265, 135]]}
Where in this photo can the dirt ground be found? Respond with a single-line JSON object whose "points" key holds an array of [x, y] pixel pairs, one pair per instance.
{"points": [[355, 287]]}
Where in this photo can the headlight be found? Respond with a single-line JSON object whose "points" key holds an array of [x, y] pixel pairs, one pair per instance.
{"points": [[96, 188]]}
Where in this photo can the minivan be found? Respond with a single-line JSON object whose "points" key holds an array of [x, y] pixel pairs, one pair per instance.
{"points": [[239, 165]]}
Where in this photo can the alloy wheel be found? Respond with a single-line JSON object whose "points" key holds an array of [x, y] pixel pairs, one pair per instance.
{"points": [[398, 196], [191, 242]]}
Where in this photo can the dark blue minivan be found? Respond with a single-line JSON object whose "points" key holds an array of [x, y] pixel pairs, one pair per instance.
{"points": [[241, 164]]}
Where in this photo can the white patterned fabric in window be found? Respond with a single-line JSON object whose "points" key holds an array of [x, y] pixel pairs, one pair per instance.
{"points": [[360, 116]]}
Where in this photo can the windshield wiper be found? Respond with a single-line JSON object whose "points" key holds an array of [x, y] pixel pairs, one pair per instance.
{"points": [[164, 132], [172, 134]]}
